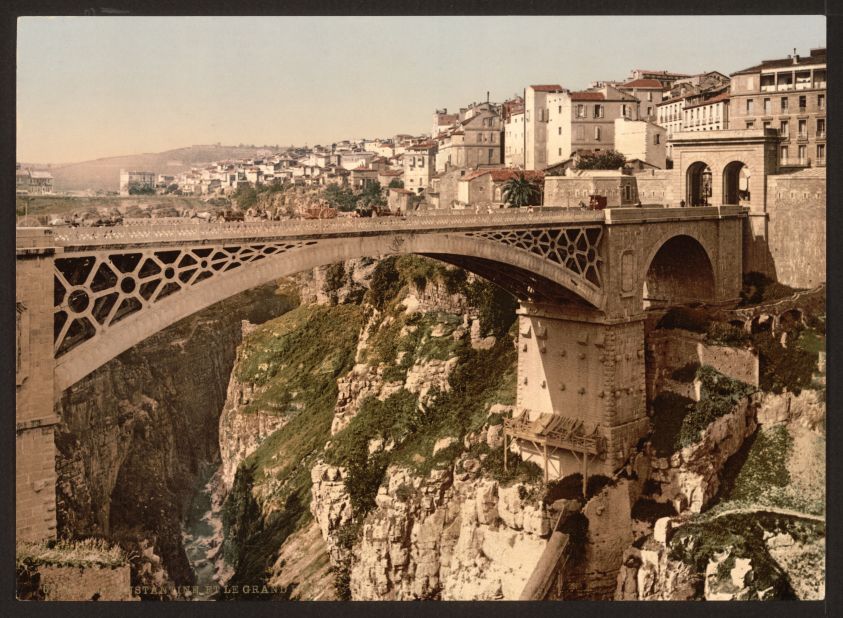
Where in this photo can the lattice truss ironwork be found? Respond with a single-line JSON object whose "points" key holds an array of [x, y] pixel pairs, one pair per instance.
{"points": [[576, 249], [95, 291]]}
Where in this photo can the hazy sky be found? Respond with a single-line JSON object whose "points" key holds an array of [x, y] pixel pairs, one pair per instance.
{"points": [[92, 87]]}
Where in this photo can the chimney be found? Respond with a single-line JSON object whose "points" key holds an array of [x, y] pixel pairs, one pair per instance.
{"points": [[795, 56]]}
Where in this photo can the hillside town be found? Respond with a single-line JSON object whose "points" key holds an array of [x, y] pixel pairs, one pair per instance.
{"points": [[603, 146]]}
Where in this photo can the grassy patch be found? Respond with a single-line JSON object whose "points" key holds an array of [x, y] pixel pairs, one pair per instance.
{"points": [[294, 361], [765, 467], [84, 553], [790, 367]]}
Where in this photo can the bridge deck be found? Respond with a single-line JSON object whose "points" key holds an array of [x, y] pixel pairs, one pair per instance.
{"points": [[326, 228]]}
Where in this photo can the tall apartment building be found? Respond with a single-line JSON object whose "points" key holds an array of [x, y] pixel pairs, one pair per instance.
{"points": [[578, 121], [788, 94], [535, 124]]}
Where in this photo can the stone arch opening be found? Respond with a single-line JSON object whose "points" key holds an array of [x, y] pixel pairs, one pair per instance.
{"points": [[736, 177], [698, 183], [679, 273]]}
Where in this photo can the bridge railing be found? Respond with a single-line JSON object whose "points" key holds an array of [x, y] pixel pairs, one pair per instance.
{"points": [[345, 225], [163, 232]]}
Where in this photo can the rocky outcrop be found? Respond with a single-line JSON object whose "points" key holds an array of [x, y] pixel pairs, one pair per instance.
{"points": [[450, 535], [806, 409], [240, 434], [134, 433], [691, 476]]}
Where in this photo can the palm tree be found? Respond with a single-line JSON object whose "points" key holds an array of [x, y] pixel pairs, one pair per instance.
{"points": [[518, 191]]}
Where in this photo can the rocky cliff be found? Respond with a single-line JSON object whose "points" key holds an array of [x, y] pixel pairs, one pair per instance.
{"points": [[134, 433]]}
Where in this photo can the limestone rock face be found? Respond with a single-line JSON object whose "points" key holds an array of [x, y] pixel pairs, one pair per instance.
{"points": [[806, 409], [240, 433], [445, 536], [691, 477]]}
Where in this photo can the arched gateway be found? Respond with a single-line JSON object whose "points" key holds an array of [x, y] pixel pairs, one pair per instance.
{"points": [[86, 295]]}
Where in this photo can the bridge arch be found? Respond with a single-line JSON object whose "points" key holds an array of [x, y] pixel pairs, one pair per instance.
{"points": [[678, 270], [525, 273]]}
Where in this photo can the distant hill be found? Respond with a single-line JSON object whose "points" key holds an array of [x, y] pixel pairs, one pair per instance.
{"points": [[104, 174]]}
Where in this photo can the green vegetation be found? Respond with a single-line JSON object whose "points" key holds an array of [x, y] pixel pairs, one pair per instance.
{"points": [[296, 358], [396, 184], [770, 470], [697, 543], [605, 160], [678, 421], [294, 361], [82, 553], [519, 191], [496, 307], [245, 196], [790, 367]]}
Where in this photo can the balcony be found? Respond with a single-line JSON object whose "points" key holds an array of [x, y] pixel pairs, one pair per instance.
{"points": [[794, 162], [819, 161], [820, 134], [802, 137], [768, 88]]}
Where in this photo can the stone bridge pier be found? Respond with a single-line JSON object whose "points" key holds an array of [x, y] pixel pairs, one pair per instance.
{"points": [[588, 371], [35, 419]]}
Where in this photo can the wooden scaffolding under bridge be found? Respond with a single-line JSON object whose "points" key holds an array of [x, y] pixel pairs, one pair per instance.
{"points": [[553, 431]]}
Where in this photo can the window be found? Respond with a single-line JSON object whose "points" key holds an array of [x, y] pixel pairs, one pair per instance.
{"points": [[821, 101], [560, 109], [803, 103], [821, 152], [580, 133], [580, 111], [560, 130], [597, 134], [491, 154], [768, 107], [803, 153], [421, 161], [750, 124], [650, 95], [750, 103], [598, 111], [784, 128], [657, 139], [820, 127], [784, 105], [803, 129], [649, 110], [784, 154]]}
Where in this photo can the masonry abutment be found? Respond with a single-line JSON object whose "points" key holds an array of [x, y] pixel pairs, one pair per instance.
{"points": [[588, 372], [35, 418]]}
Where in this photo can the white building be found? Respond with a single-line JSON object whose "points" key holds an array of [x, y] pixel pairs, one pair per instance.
{"points": [[136, 181], [643, 140]]}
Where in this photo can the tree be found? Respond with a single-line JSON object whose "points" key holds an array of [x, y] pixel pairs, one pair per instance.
{"points": [[607, 160], [245, 196], [395, 183], [519, 191], [341, 198], [372, 196]]}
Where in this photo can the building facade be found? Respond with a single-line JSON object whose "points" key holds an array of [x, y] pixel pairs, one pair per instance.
{"points": [[584, 121], [476, 140], [788, 94], [649, 93], [643, 140], [419, 166]]}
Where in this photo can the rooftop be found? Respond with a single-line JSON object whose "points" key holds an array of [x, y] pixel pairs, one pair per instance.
{"points": [[547, 88], [817, 56], [642, 83]]}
